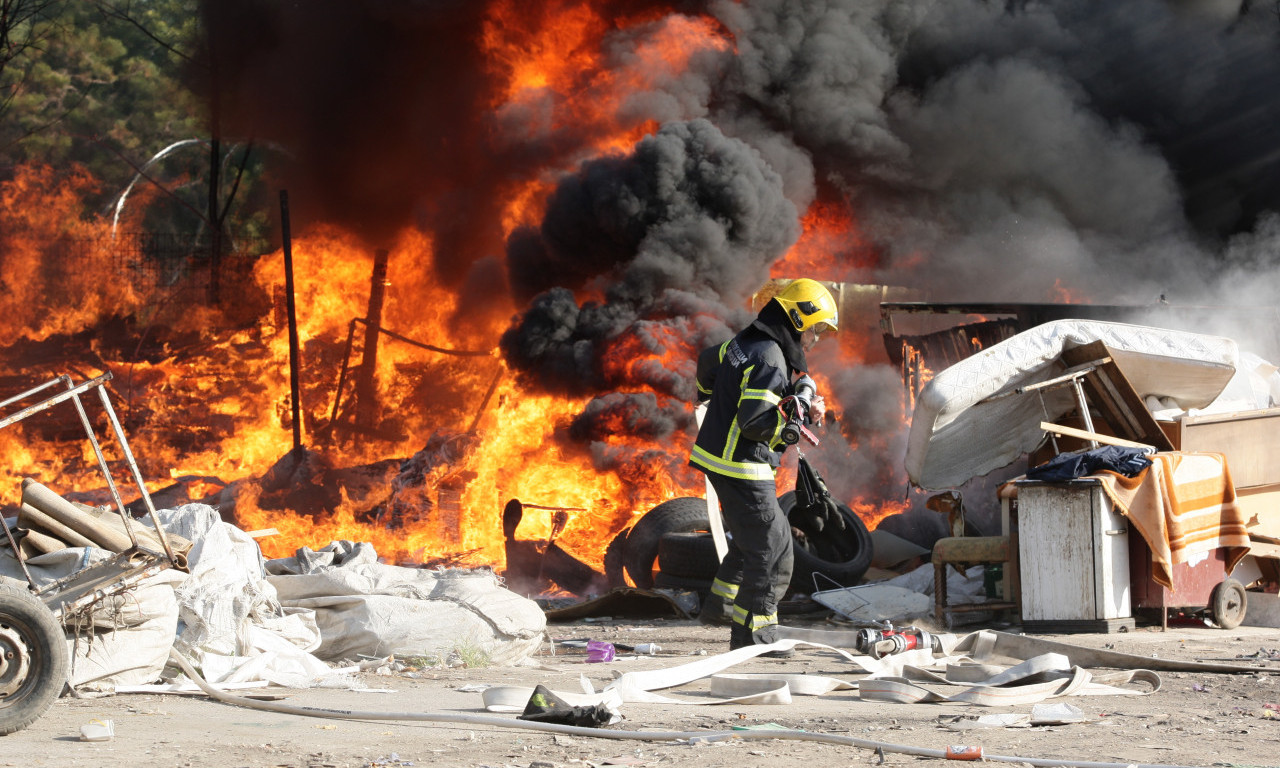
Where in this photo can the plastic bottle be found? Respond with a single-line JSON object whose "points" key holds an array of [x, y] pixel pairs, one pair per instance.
{"points": [[957, 752]]}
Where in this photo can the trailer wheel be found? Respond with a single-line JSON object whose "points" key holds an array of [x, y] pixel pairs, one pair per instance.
{"points": [[33, 658], [1227, 604]]}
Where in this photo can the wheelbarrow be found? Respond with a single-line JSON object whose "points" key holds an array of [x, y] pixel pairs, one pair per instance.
{"points": [[34, 658]]}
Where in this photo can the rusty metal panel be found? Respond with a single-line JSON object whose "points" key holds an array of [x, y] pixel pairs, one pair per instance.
{"points": [[1193, 582]]}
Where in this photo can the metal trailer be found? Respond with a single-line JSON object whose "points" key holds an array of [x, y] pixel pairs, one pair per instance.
{"points": [[1070, 529], [34, 654]]}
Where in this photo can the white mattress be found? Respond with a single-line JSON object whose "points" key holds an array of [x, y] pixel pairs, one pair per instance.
{"points": [[959, 432]]}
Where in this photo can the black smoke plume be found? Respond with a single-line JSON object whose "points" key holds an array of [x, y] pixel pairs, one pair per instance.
{"points": [[985, 151]]}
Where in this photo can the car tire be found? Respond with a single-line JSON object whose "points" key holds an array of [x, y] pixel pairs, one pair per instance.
{"points": [[834, 559], [679, 515], [688, 553]]}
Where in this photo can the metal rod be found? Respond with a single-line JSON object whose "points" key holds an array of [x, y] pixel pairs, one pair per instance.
{"points": [[342, 374], [1084, 410], [294, 354], [106, 469], [137, 474], [33, 390], [493, 386], [424, 345], [45, 405], [17, 552], [1070, 375]]}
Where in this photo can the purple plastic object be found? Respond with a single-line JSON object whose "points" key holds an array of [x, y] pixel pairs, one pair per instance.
{"points": [[598, 651]]}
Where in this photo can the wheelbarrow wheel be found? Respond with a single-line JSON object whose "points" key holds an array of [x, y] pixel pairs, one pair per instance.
{"points": [[33, 658], [1227, 604]]}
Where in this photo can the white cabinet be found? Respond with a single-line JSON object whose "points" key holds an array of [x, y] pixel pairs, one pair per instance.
{"points": [[1073, 549]]}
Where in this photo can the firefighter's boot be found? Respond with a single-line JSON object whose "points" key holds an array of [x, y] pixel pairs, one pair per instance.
{"points": [[740, 636], [718, 607]]}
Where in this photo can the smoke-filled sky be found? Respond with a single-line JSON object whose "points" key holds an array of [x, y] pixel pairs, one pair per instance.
{"points": [[1070, 140], [985, 151]]}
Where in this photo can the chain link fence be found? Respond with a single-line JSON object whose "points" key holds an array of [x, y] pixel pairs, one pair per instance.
{"points": [[179, 267]]}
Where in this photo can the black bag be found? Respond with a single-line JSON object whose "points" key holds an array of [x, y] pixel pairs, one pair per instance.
{"points": [[813, 501]]}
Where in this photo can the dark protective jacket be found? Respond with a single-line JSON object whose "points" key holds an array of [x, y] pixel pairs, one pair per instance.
{"points": [[744, 379]]}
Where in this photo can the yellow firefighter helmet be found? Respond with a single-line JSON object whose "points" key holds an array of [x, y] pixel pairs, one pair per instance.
{"points": [[809, 305]]}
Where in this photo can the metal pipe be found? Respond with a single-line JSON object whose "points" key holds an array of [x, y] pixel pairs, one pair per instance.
{"points": [[137, 477], [45, 405], [106, 469], [1084, 409], [493, 386], [430, 347]]}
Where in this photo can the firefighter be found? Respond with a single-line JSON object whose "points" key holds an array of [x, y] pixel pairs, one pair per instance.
{"points": [[739, 447]]}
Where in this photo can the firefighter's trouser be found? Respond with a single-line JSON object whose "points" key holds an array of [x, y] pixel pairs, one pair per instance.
{"points": [[756, 571]]}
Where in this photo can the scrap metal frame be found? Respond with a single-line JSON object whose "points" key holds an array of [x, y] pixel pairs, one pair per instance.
{"points": [[82, 589]]}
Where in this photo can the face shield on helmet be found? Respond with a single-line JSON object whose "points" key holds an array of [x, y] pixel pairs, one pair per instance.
{"points": [[809, 304]]}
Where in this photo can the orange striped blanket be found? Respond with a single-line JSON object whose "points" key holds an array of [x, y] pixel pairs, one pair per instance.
{"points": [[1184, 504]]}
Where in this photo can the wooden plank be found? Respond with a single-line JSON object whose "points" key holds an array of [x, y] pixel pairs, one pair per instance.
{"points": [[1055, 546], [1111, 392], [1084, 434], [1249, 439], [261, 532]]}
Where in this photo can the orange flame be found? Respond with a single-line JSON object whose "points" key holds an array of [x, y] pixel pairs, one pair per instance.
{"points": [[464, 434]]}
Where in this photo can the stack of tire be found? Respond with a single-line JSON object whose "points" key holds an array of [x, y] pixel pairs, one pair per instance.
{"points": [[670, 547]]}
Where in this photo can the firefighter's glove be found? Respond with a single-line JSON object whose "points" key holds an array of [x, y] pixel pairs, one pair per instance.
{"points": [[825, 515]]}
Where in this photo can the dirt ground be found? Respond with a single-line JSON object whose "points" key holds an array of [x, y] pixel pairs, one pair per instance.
{"points": [[1194, 719]]}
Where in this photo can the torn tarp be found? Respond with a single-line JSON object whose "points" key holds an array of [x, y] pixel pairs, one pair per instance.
{"points": [[370, 608]]}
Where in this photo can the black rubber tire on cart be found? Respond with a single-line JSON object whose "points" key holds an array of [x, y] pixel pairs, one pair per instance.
{"points": [[33, 658], [691, 554], [842, 558], [1227, 603], [679, 515]]}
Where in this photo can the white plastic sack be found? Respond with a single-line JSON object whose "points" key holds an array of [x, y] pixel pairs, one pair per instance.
{"points": [[378, 610], [135, 649], [227, 591]]}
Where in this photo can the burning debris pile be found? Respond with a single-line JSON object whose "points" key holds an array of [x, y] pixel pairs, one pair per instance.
{"points": [[582, 195]]}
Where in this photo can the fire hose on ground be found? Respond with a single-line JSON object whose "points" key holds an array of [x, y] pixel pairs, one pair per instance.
{"points": [[600, 733]]}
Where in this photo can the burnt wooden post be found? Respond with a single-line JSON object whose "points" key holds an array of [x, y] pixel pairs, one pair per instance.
{"points": [[294, 353], [367, 388]]}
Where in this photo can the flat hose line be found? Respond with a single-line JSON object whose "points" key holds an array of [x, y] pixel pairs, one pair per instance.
{"points": [[601, 733]]}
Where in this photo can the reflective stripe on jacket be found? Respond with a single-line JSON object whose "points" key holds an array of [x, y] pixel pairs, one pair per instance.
{"points": [[744, 379]]}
